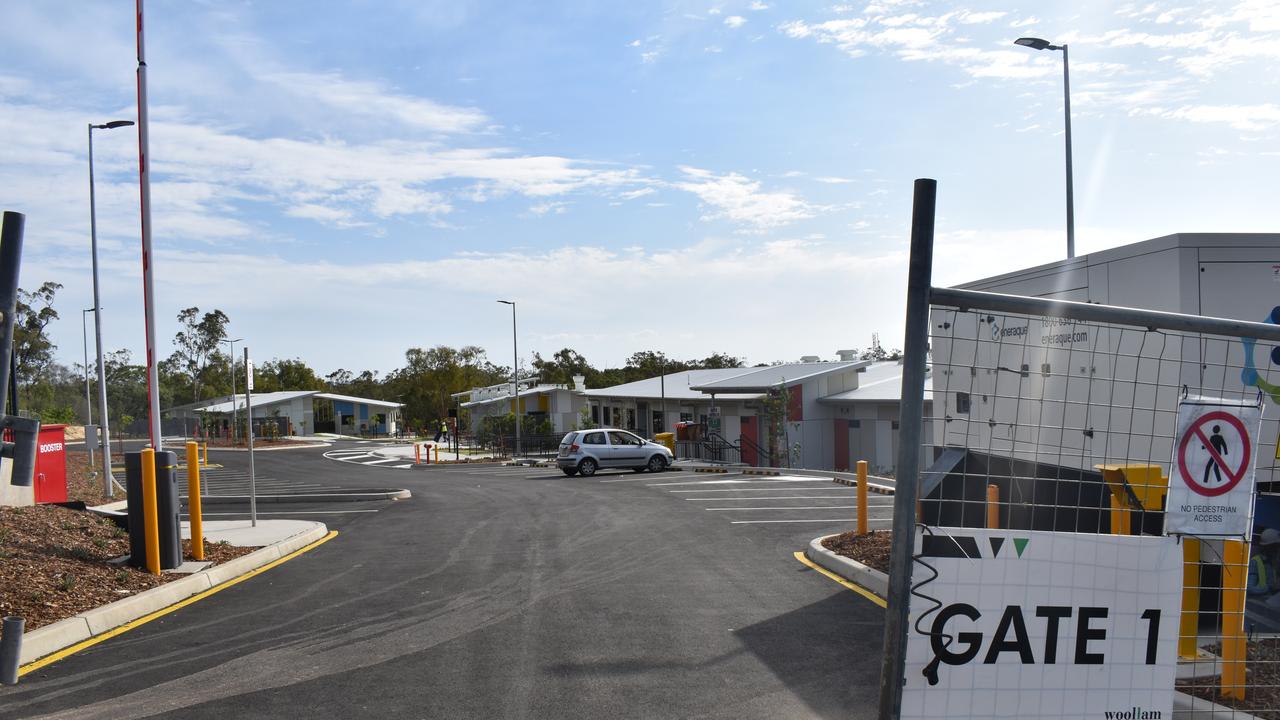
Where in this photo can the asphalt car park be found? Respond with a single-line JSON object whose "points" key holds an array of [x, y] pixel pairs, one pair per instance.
{"points": [[503, 591]]}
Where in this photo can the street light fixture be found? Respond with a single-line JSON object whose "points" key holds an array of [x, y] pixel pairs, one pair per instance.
{"points": [[108, 480], [1041, 44], [235, 421], [515, 373], [88, 403]]}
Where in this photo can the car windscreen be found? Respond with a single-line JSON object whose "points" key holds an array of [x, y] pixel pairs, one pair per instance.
{"points": [[568, 439]]}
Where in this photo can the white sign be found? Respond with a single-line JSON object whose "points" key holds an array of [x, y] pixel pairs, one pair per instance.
{"points": [[248, 373], [1029, 624], [1211, 482]]}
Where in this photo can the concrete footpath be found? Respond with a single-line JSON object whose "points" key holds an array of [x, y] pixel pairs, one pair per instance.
{"points": [[276, 538]]}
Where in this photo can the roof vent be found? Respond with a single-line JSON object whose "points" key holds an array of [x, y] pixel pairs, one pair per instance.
{"points": [[847, 355], [579, 382], [810, 359]]}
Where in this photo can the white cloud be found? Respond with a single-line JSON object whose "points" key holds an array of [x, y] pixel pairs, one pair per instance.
{"points": [[1240, 117], [757, 5], [735, 21], [373, 100], [833, 180], [741, 200]]}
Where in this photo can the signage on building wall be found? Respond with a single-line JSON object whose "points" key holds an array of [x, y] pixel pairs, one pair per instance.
{"points": [[1019, 623]]}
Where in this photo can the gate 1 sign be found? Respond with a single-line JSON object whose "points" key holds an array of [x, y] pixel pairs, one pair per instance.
{"points": [[1029, 624], [1212, 479]]}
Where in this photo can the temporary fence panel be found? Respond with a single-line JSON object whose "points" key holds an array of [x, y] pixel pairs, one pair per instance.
{"points": [[1043, 576]]}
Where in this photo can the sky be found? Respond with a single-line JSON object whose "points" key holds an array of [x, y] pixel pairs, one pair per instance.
{"points": [[348, 180]]}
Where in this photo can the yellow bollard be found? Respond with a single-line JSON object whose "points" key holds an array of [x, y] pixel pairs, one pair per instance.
{"points": [[1120, 523], [1235, 571], [862, 497], [150, 527], [1189, 622], [417, 454], [437, 449], [193, 501], [993, 507], [206, 455]]}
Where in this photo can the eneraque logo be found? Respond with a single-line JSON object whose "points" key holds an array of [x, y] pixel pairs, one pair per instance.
{"points": [[1249, 375]]}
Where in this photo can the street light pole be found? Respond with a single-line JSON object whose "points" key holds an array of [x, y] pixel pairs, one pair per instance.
{"points": [[234, 416], [108, 480], [515, 372], [1041, 44], [88, 403]]}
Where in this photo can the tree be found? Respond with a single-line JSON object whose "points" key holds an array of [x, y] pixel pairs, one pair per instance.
{"points": [[196, 341], [32, 348]]}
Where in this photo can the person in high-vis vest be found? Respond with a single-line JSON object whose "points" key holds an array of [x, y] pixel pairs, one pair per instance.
{"points": [[1263, 576]]}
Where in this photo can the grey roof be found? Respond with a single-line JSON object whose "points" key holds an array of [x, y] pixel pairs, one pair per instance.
{"points": [[679, 386], [524, 392], [359, 400], [284, 396], [759, 380], [880, 382], [260, 400]]}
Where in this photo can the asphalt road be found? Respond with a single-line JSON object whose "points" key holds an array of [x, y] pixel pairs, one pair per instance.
{"points": [[508, 593]]}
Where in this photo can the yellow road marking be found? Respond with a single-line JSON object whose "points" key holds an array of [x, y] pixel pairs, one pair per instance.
{"points": [[852, 586], [83, 644]]}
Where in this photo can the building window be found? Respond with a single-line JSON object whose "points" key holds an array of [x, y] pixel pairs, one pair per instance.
{"points": [[855, 424], [962, 403], [894, 426]]}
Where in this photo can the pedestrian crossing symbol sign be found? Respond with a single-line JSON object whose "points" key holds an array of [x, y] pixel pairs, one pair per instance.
{"points": [[1212, 483]]}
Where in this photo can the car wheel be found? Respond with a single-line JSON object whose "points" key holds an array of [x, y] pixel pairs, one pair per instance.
{"points": [[657, 463], [570, 471], [587, 467]]}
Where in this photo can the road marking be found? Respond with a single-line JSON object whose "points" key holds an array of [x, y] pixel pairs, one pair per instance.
{"points": [[84, 644], [788, 497], [384, 460], [769, 481], [797, 507], [812, 489], [852, 586], [293, 512], [836, 520]]}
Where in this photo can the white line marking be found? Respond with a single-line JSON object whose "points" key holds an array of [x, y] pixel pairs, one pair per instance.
{"points": [[798, 507], [401, 467], [384, 460], [757, 522], [786, 497], [293, 512], [820, 481], [775, 489]]}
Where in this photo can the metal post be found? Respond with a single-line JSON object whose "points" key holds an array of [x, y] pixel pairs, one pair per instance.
{"points": [[10, 649], [148, 260], [234, 416], [248, 414], [515, 375], [108, 480], [915, 357], [1071, 208], [662, 383], [10, 260], [194, 511], [88, 403]]}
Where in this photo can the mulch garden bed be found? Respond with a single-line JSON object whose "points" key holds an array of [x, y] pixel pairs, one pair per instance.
{"points": [[871, 549], [54, 563], [1262, 673]]}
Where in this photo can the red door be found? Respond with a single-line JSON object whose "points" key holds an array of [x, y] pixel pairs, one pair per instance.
{"points": [[51, 465], [750, 435]]}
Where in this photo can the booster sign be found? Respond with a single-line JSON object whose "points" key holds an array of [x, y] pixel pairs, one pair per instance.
{"points": [[1026, 624]]}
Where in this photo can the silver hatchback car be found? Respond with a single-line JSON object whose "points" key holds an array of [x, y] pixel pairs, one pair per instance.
{"points": [[585, 451]]}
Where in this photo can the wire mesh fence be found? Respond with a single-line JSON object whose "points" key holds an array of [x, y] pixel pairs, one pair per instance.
{"points": [[1053, 440]]}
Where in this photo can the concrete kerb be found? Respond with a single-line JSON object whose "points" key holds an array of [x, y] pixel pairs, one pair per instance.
{"points": [[1185, 707], [65, 633], [308, 497], [848, 568]]}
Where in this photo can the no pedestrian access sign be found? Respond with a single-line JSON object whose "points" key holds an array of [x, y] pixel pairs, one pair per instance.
{"points": [[1212, 480]]}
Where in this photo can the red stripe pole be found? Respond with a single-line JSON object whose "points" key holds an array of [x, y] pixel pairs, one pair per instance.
{"points": [[148, 262]]}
